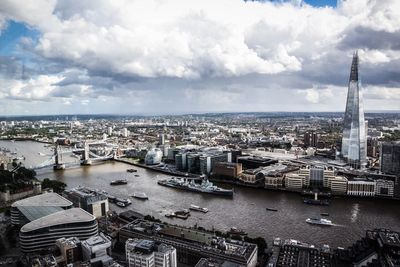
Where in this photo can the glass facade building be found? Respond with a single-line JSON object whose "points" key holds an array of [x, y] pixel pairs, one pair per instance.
{"points": [[354, 141]]}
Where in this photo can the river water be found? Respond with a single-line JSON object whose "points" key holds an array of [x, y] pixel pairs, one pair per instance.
{"points": [[246, 210]]}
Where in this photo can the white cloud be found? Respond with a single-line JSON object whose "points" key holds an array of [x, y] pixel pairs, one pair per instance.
{"points": [[224, 51]]}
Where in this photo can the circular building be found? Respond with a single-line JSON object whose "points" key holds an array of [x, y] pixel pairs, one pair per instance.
{"points": [[153, 156]]}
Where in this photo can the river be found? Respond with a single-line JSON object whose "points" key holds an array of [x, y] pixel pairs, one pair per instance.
{"points": [[246, 210]]}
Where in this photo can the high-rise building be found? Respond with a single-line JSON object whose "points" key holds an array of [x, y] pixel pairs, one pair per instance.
{"points": [[354, 128], [390, 158]]}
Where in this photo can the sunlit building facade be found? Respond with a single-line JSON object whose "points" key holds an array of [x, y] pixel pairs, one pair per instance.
{"points": [[354, 141]]}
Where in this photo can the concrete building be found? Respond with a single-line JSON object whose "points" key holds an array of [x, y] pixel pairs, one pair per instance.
{"points": [[208, 161], [354, 142], [227, 170], [313, 177], [337, 185], [192, 244], [311, 139], [97, 249], [254, 162], [42, 233], [70, 249], [147, 253], [89, 200], [384, 188], [361, 188], [390, 158], [216, 263]]}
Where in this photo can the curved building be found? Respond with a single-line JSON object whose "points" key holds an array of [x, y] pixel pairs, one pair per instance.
{"points": [[153, 156], [42, 233], [32, 208]]}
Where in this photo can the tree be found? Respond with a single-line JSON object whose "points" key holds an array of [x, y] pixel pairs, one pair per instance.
{"points": [[57, 186]]}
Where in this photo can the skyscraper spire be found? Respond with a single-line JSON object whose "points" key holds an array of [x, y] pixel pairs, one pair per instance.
{"points": [[354, 126]]}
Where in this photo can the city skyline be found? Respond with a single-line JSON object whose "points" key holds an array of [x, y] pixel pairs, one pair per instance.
{"points": [[198, 57]]}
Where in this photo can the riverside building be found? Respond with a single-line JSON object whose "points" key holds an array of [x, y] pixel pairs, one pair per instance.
{"points": [[192, 244], [89, 200], [42, 233], [354, 142]]}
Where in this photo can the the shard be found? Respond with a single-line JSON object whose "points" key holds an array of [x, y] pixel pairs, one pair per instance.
{"points": [[354, 141]]}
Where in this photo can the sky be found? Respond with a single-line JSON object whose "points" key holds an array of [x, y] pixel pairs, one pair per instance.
{"points": [[190, 56]]}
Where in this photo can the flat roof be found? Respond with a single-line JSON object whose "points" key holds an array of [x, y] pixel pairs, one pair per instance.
{"points": [[74, 215], [44, 200]]}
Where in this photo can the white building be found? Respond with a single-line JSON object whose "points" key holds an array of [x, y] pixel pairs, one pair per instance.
{"points": [[361, 188], [146, 253], [125, 132]]}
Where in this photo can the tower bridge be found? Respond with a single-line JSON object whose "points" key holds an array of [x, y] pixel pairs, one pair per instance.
{"points": [[90, 152]]}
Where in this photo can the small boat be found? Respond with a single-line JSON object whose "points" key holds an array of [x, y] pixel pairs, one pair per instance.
{"points": [[321, 202], [125, 201], [235, 231], [41, 154], [271, 209], [180, 214], [131, 170], [119, 182], [136, 175], [197, 208], [121, 204], [319, 221], [324, 214], [140, 195]]}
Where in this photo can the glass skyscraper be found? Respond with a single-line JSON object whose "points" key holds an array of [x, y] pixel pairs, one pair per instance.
{"points": [[354, 141]]}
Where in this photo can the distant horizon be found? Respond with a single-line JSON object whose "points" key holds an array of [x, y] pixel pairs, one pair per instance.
{"points": [[197, 114]]}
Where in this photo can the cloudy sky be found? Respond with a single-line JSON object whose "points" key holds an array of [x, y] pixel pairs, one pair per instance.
{"points": [[180, 56]]}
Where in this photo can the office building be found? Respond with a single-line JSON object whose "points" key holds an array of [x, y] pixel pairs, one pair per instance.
{"points": [[32, 208], [311, 139], [227, 170], [97, 249], [390, 158], [253, 162], [42, 233], [161, 140], [208, 161], [354, 141], [337, 185], [362, 188], [70, 249], [147, 253], [192, 244], [89, 200], [384, 188]]}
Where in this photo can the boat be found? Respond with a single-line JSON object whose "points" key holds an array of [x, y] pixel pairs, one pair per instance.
{"points": [[131, 170], [121, 204], [41, 154], [324, 214], [197, 208], [140, 195], [321, 202], [190, 185], [119, 182], [271, 209], [319, 221], [180, 214], [235, 231], [125, 201], [136, 175]]}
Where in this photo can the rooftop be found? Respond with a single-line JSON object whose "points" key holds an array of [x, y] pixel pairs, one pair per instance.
{"points": [[74, 215], [44, 200], [34, 213]]}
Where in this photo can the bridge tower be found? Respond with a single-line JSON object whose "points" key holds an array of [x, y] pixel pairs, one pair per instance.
{"points": [[58, 159], [85, 157]]}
